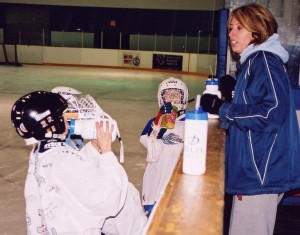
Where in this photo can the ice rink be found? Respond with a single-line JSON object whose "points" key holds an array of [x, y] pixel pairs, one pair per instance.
{"points": [[129, 96]]}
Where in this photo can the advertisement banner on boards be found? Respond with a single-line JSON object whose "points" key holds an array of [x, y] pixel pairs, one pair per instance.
{"points": [[131, 60], [168, 62]]}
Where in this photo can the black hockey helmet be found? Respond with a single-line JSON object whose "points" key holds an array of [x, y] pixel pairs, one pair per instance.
{"points": [[39, 115]]}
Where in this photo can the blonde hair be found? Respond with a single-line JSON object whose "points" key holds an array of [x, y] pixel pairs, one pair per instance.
{"points": [[256, 19]]}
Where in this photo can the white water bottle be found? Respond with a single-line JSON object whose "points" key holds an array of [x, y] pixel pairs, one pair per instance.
{"points": [[212, 87], [87, 128], [195, 140]]}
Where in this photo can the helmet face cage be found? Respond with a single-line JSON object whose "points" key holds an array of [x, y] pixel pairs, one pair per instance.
{"points": [[174, 96], [39, 115], [175, 91], [80, 107], [83, 107]]}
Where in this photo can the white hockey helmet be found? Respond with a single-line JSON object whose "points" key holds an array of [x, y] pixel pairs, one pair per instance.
{"points": [[70, 95], [173, 83], [65, 92]]}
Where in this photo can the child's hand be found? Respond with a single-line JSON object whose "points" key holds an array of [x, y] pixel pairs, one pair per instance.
{"points": [[165, 109], [104, 134], [157, 132]]}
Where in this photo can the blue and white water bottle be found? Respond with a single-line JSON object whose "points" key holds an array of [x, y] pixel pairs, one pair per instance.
{"points": [[195, 140], [212, 87]]}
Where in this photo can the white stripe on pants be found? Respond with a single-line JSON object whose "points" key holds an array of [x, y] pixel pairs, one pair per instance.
{"points": [[254, 215]]}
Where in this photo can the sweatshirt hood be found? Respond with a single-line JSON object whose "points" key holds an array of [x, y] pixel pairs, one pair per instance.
{"points": [[272, 45]]}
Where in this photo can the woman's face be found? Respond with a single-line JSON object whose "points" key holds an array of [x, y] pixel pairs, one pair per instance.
{"points": [[239, 36]]}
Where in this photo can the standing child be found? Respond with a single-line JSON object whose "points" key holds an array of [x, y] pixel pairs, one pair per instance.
{"points": [[69, 191], [163, 138]]}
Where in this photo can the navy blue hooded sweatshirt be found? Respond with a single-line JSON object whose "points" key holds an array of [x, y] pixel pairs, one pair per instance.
{"points": [[263, 141]]}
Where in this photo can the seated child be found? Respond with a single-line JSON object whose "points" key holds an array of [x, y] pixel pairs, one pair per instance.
{"points": [[163, 138]]}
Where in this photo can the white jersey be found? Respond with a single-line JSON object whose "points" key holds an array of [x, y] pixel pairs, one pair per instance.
{"points": [[80, 192], [162, 157]]}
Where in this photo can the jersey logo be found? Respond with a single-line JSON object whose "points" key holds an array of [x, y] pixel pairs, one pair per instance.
{"points": [[172, 139]]}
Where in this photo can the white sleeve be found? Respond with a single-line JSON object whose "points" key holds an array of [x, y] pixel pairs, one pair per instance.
{"points": [[131, 220], [154, 147]]}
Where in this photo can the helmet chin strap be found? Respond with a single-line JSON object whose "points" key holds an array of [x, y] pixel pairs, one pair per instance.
{"points": [[47, 144], [180, 113]]}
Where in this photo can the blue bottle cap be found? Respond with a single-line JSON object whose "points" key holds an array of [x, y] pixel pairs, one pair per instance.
{"points": [[212, 81], [198, 114]]}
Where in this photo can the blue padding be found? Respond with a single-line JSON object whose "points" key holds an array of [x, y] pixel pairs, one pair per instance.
{"points": [[222, 43], [148, 209], [291, 201], [296, 93]]}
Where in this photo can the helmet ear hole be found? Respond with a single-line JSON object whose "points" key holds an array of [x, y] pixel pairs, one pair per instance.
{"points": [[36, 115]]}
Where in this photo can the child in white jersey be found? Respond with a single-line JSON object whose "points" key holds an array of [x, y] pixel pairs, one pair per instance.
{"points": [[163, 138], [69, 191]]}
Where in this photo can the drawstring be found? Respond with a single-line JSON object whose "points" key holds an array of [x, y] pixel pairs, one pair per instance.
{"points": [[121, 151]]}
